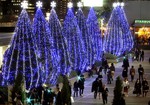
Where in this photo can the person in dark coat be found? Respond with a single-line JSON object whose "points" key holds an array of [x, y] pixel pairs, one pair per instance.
{"points": [[104, 64], [112, 69], [145, 87], [81, 85], [58, 97], [100, 87], [109, 76], [100, 72], [104, 94], [75, 89], [141, 72], [95, 88], [124, 73], [125, 63], [137, 87], [142, 56]]}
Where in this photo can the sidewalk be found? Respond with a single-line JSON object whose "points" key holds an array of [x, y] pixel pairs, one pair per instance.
{"points": [[88, 99]]}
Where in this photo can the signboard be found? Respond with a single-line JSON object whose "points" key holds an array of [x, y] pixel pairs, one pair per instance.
{"points": [[142, 21], [92, 3]]}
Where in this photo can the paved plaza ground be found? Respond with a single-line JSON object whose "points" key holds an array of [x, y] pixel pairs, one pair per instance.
{"points": [[88, 99]]}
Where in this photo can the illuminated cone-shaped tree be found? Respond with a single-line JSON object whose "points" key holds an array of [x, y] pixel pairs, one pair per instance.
{"points": [[86, 37], [94, 31], [128, 41], [118, 38], [75, 44], [20, 57], [45, 49], [59, 42]]}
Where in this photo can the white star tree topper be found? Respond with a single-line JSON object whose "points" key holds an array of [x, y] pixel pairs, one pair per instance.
{"points": [[24, 4], [53, 4], [80, 4], [70, 5], [39, 4]]}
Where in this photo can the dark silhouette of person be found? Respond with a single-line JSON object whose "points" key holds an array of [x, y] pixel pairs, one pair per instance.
{"points": [[104, 94], [142, 56], [125, 63], [75, 89], [58, 97], [81, 85], [141, 72], [95, 88]]}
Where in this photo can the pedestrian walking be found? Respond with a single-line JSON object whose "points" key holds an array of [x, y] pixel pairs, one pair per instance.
{"points": [[126, 86], [104, 64], [141, 72], [132, 73], [104, 94], [137, 54], [145, 87], [58, 97], [95, 88], [100, 87], [137, 87], [112, 69], [142, 55], [100, 76], [75, 89], [81, 85], [109, 76], [124, 73], [125, 63]]}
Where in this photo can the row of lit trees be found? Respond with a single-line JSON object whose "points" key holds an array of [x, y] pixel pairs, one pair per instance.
{"points": [[41, 51], [44, 50]]}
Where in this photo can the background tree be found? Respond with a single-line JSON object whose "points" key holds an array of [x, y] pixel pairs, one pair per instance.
{"points": [[94, 31], [81, 20], [20, 57], [118, 96], [75, 43], [18, 88], [59, 42], [46, 51], [118, 38]]}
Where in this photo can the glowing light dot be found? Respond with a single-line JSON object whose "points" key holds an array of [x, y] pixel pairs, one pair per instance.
{"points": [[24, 4], [78, 77], [70, 5], [80, 4], [118, 4], [114, 5], [53, 4], [39, 4], [28, 100], [122, 4]]}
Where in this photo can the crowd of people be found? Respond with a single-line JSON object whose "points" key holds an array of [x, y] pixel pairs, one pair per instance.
{"points": [[49, 96]]}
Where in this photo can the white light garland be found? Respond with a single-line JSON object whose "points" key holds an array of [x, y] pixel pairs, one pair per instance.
{"points": [[39, 4], [70, 5], [115, 4], [24, 4], [53, 4]]}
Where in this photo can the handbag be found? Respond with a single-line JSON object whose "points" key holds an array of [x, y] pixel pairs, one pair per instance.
{"points": [[72, 100]]}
